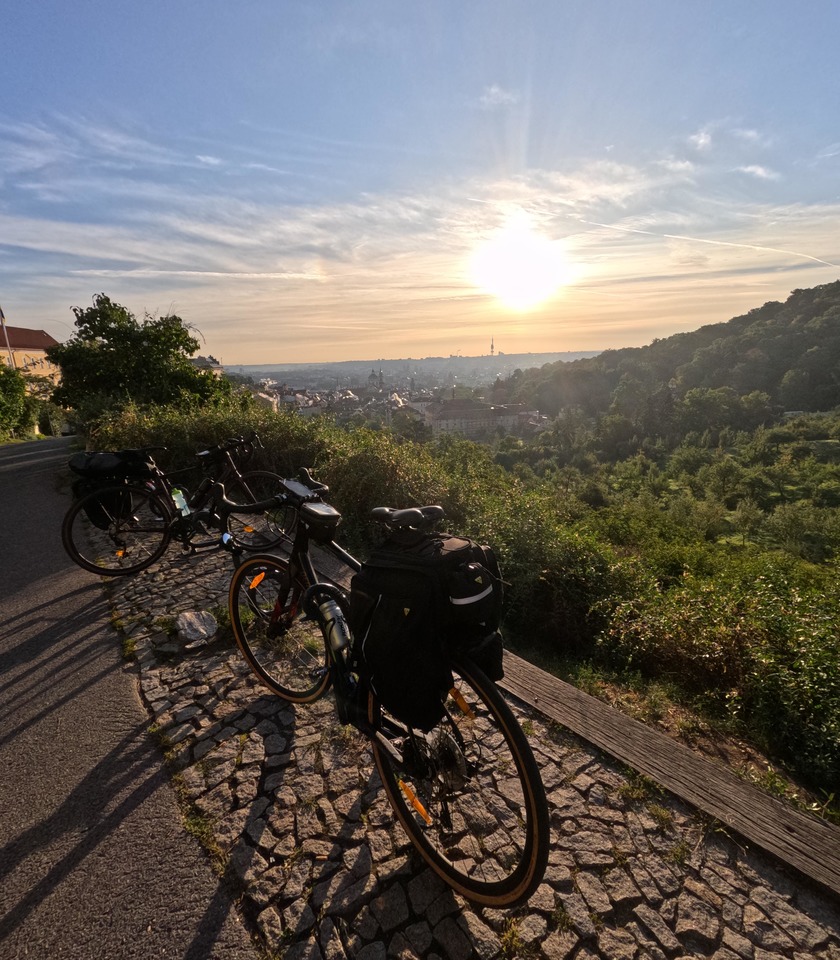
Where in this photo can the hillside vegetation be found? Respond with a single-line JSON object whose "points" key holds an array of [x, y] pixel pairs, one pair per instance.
{"points": [[670, 528], [782, 356], [651, 584]]}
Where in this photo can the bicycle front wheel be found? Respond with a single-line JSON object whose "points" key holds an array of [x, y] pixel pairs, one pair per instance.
{"points": [[285, 650], [260, 531], [469, 793], [117, 531]]}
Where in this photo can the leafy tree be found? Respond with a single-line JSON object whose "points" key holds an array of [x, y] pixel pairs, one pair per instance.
{"points": [[115, 360], [13, 406]]}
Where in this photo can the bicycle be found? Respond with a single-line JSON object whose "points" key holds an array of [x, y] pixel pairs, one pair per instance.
{"points": [[126, 522], [468, 794]]}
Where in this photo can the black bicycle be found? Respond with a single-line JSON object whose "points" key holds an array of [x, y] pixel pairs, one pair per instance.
{"points": [[129, 510], [469, 792]]}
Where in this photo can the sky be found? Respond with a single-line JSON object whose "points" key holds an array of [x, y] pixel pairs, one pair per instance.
{"points": [[324, 180]]}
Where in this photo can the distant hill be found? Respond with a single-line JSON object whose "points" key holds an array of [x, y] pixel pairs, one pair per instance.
{"points": [[789, 351], [446, 370]]}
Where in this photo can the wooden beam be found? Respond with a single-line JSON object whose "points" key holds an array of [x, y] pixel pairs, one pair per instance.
{"points": [[800, 840]]}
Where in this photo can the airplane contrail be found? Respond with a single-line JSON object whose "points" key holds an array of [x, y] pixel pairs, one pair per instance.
{"points": [[719, 243]]}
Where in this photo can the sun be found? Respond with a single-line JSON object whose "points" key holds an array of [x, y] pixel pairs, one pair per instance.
{"points": [[518, 265]]}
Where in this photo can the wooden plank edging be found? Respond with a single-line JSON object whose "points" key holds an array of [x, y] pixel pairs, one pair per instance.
{"points": [[809, 845]]}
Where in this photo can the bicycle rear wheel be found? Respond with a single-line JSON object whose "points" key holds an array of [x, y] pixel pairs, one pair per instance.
{"points": [[117, 530], [260, 531], [285, 649], [469, 793]]}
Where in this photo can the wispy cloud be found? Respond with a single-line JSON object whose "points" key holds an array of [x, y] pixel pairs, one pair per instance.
{"points": [[759, 172], [701, 140], [827, 153], [235, 253], [495, 96]]}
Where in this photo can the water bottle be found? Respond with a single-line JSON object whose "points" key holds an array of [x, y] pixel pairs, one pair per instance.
{"points": [[181, 502], [338, 633]]}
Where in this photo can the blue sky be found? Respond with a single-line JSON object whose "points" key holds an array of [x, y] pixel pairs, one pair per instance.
{"points": [[315, 179]]}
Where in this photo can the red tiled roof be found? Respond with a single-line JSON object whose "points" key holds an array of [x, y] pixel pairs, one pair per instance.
{"points": [[21, 338]]}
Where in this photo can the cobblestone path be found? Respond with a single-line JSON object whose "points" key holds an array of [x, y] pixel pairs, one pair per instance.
{"points": [[289, 805]]}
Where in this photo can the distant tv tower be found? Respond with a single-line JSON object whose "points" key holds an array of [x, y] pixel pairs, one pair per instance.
{"points": [[492, 348]]}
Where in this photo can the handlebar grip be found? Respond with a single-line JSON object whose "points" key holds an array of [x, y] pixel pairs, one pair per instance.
{"points": [[227, 507], [314, 485]]}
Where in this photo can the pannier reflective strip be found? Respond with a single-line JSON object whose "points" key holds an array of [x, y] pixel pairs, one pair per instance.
{"points": [[474, 598]]}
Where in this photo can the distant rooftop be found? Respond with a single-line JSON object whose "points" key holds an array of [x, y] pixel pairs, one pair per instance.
{"points": [[22, 338]]}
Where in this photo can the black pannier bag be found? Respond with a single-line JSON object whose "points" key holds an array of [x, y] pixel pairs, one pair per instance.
{"points": [[96, 470], [418, 600]]}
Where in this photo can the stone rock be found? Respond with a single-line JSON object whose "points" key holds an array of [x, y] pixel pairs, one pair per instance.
{"points": [[196, 628]]}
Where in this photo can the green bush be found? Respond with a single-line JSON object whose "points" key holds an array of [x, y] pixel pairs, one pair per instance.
{"points": [[14, 411], [762, 635], [563, 581]]}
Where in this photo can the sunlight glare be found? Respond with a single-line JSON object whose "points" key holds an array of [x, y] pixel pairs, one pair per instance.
{"points": [[519, 266]]}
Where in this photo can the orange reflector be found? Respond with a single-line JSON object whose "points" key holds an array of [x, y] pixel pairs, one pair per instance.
{"points": [[458, 697], [248, 529], [120, 553], [411, 796], [258, 579]]}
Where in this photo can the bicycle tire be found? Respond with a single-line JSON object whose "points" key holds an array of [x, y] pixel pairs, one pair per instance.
{"points": [[117, 530], [472, 802], [264, 531], [286, 651]]}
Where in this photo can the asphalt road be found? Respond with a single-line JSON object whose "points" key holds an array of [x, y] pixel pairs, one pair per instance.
{"points": [[94, 860]]}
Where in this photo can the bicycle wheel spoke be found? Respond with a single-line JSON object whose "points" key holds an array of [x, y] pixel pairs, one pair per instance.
{"points": [[263, 531], [285, 650]]}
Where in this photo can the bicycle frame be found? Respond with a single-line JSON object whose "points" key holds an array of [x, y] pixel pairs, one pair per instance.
{"points": [[222, 466], [316, 597]]}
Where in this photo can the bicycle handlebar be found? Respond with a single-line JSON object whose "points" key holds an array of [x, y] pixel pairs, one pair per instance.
{"points": [[243, 445], [295, 493]]}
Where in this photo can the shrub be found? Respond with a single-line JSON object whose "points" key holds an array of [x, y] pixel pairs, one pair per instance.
{"points": [[760, 633]]}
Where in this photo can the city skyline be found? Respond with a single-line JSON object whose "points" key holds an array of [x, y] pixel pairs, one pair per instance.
{"points": [[308, 182]]}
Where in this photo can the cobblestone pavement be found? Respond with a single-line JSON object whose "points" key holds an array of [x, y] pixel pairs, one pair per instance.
{"points": [[288, 803]]}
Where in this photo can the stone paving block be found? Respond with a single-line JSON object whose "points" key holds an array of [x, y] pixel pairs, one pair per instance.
{"points": [[621, 889], [648, 946], [594, 893], [736, 944], [578, 914], [400, 948], [452, 939], [482, 938], [532, 928], [655, 925], [559, 946], [373, 951], [617, 944], [725, 954], [698, 924], [419, 936], [804, 932], [391, 908]]}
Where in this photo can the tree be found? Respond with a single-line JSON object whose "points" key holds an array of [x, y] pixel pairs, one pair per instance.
{"points": [[114, 360], [13, 405]]}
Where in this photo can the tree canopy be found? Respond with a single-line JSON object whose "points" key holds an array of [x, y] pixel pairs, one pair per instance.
{"points": [[115, 359], [780, 356], [13, 405]]}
